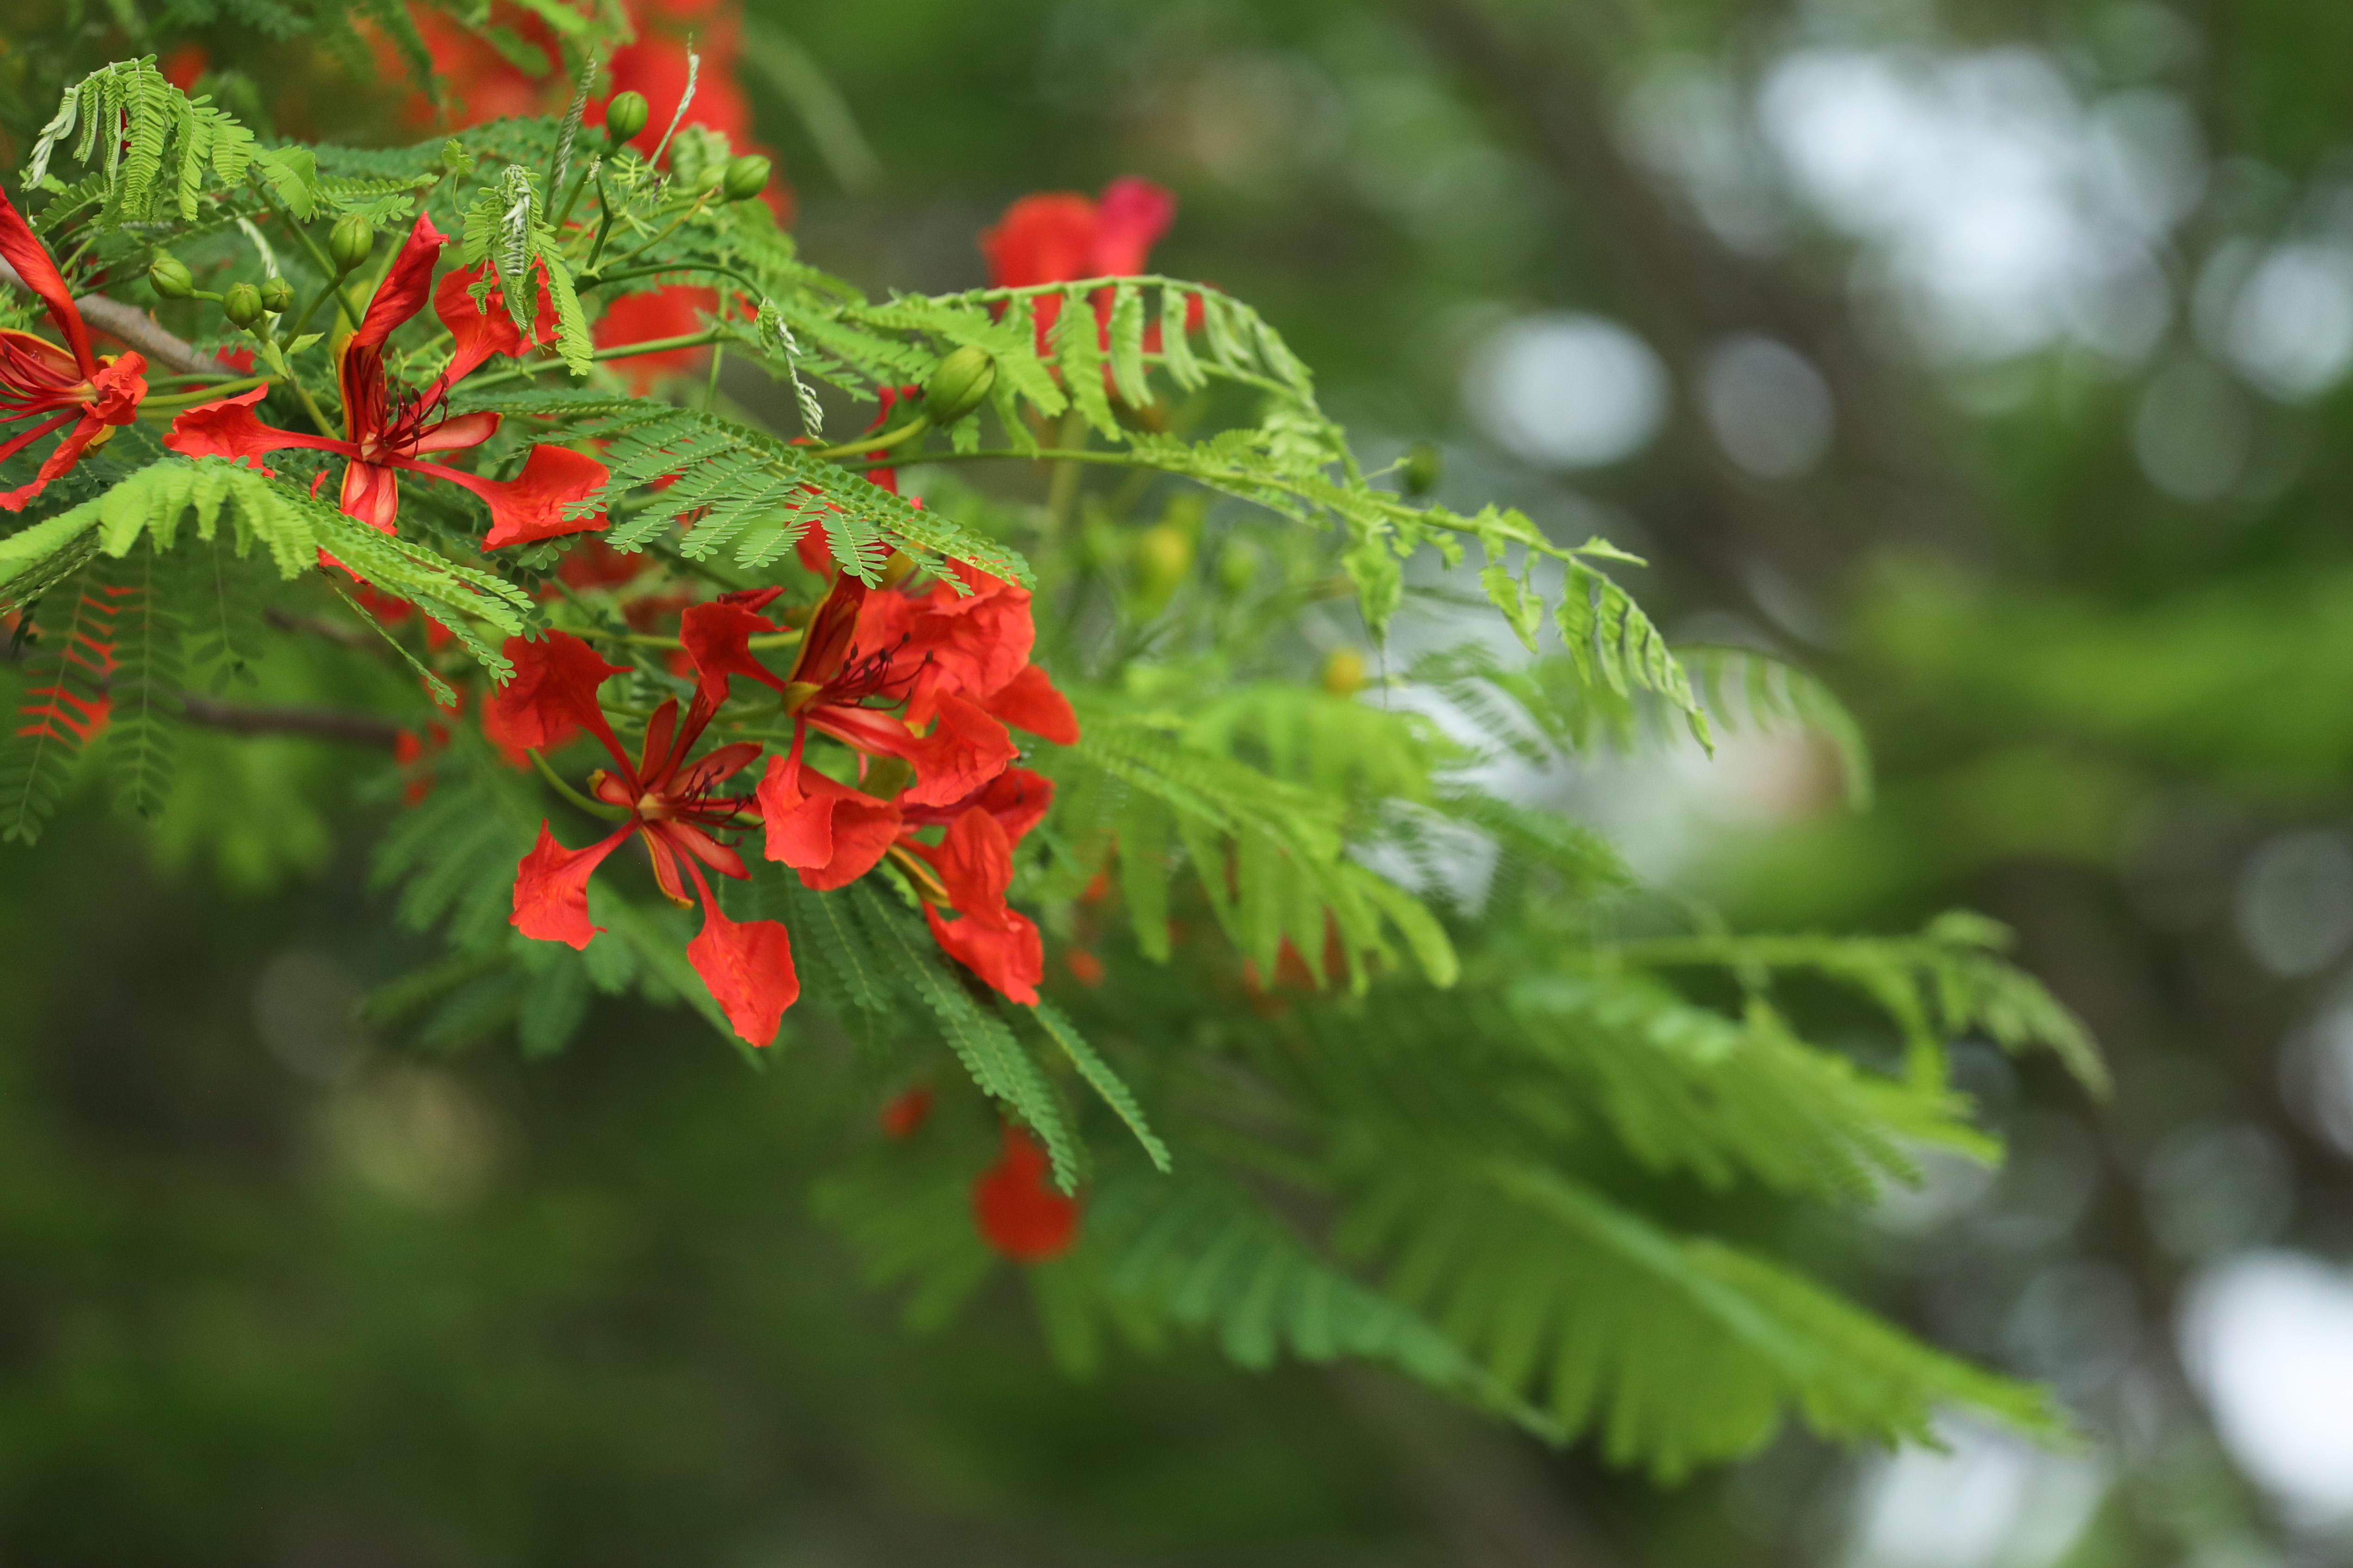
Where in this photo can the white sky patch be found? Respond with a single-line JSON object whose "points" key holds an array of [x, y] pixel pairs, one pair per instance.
{"points": [[2268, 1337], [2007, 213], [1991, 1500], [1566, 390]]}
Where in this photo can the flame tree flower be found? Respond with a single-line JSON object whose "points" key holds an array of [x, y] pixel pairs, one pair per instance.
{"points": [[1061, 236], [389, 429], [58, 386], [673, 802]]}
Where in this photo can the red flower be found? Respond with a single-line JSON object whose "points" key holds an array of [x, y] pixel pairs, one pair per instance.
{"points": [[674, 804], [996, 942], [671, 312], [1019, 1212], [904, 1113], [973, 645], [389, 428], [58, 386], [1061, 236]]}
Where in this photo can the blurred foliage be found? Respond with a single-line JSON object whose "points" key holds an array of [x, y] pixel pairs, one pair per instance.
{"points": [[2095, 702]]}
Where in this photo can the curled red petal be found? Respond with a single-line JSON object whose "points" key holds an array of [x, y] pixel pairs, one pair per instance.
{"points": [[1017, 1210], [457, 433], [1011, 956], [551, 892], [33, 263], [1017, 797], [405, 287], [372, 494], [748, 966], [486, 331], [117, 388], [68, 453], [1028, 701]]}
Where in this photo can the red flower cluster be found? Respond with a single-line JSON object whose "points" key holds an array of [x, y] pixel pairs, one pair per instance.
{"points": [[917, 688], [389, 429], [57, 387], [1061, 236]]}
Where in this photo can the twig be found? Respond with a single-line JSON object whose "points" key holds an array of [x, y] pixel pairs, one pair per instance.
{"points": [[317, 627], [318, 723], [122, 322]]}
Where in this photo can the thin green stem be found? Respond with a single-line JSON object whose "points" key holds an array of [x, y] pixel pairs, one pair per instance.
{"points": [[1062, 492], [619, 351], [318, 416], [592, 807], [680, 222], [883, 442], [202, 395]]}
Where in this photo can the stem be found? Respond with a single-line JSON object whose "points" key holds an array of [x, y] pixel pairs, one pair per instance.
{"points": [[592, 807], [1062, 493], [699, 203], [318, 259], [179, 400], [884, 442], [571, 200], [654, 639], [927, 884], [318, 417], [603, 228]]}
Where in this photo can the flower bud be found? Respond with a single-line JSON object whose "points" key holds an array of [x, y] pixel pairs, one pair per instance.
{"points": [[1344, 672], [708, 180], [242, 304], [1421, 468], [746, 177], [1163, 557], [350, 240], [277, 295], [625, 117], [959, 386], [169, 277]]}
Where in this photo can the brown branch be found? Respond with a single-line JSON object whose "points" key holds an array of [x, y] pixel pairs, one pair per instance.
{"points": [[318, 723], [133, 327], [357, 639]]}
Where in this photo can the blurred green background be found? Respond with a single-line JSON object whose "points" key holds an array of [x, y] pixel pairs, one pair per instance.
{"points": [[1988, 359]]}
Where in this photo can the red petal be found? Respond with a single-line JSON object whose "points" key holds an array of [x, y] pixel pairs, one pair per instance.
{"points": [[1028, 701], [404, 287], [532, 505], [1048, 239], [905, 1114], [457, 433], [31, 259], [832, 834], [748, 966], [1134, 215], [975, 860], [1017, 1213], [119, 387], [69, 452], [1010, 957], [1017, 797], [372, 494], [484, 332], [551, 892], [230, 429], [965, 750], [552, 694], [717, 636]]}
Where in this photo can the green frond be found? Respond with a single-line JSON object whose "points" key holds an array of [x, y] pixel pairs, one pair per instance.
{"points": [[1609, 1321], [62, 704], [142, 734], [156, 144]]}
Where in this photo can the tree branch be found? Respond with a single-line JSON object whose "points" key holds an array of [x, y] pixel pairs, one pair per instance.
{"points": [[126, 322], [318, 723]]}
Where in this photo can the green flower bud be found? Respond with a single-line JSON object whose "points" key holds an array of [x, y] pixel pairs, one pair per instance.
{"points": [[242, 304], [1421, 468], [1344, 672], [625, 117], [959, 386], [350, 240], [277, 295], [746, 177], [169, 277], [1163, 557], [1238, 566], [708, 180]]}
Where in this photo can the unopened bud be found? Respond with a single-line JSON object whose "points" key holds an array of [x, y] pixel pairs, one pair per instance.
{"points": [[625, 115], [707, 181], [1421, 468], [960, 385], [242, 304], [746, 177], [277, 295], [1344, 672], [1163, 556], [350, 240], [169, 277]]}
